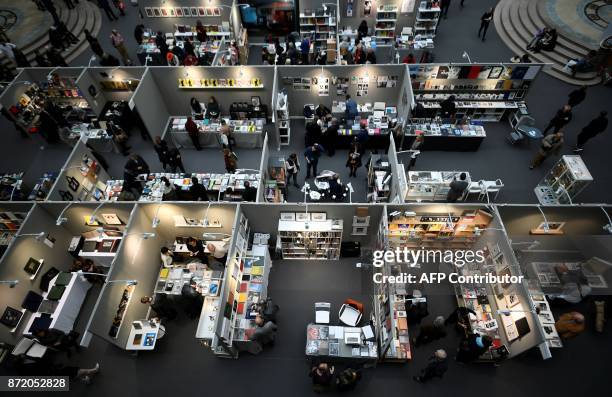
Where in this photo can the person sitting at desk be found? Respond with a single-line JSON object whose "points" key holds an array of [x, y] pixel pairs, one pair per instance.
{"points": [[570, 325], [197, 249], [196, 107], [56, 339], [472, 347], [192, 300], [90, 267], [322, 376], [457, 188], [213, 109], [249, 193], [161, 305], [167, 257], [197, 190], [218, 251], [265, 333], [168, 189], [322, 111]]}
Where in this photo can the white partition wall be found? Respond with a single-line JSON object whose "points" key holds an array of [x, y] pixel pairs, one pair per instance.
{"points": [[149, 100], [100, 85], [81, 177], [263, 171]]}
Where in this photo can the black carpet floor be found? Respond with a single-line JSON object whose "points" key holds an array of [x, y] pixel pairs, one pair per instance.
{"points": [[181, 366]]}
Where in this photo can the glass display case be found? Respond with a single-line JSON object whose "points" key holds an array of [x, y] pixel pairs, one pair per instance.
{"points": [[567, 178]]}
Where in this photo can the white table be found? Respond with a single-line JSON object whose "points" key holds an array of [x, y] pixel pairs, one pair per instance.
{"points": [[68, 306]]}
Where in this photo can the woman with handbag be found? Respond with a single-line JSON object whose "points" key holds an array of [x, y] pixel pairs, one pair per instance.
{"points": [[230, 159]]}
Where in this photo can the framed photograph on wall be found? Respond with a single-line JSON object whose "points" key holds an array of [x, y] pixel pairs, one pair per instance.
{"points": [[209, 12], [217, 12], [302, 216], [186, 12], [194, 11], [156, 12], [287, 216], [165, 12], [149, 12], [32, 266], [202, 12], [359, 231], [178, 11], [318, 216], [11, 317]]}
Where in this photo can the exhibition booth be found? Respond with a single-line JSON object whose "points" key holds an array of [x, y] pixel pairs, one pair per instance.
{"points": [[58, 262]]}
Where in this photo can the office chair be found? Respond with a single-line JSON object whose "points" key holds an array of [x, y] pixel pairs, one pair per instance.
{"points": [[322, 312], [349, 315]]}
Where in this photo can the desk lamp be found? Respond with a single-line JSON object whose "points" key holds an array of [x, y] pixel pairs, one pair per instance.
{"points": [[607, 227], [61, 219], [37, 236]]}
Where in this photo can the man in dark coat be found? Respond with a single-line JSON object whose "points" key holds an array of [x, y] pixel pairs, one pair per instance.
{"points": [[594, 128]]}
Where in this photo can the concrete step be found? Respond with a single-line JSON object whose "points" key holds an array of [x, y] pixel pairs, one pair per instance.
{"points": [[94, 24], [508, 23], [540, 8], [68, 17]]}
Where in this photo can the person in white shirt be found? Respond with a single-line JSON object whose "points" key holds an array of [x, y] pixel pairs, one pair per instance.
{"points": [[166, 257]]}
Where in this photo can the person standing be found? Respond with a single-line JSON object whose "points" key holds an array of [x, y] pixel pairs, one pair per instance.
{"points": [[312, 154], [362, 30], [139, 33], [485, 20], [444, 5], [225, 136], [430, 332], [120, 5], [230, 159], [570, 325], [161, 148], [457, 188], [437, 366], [249, 193], [94, 44], [351, 108], [561, 119], [49, 6], [354, 161], [55, 57], [194, 133], [322, 376], [103, 4], [197, 190], [576, 97], [119, 44], [175, 161], [330, 135], [418, 141], [551, 143], [292, 166], [41, 60], [591, 130], [448, 109]]}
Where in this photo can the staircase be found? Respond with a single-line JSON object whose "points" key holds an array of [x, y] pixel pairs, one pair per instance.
{"points": [[86, 15], [517, 22]]}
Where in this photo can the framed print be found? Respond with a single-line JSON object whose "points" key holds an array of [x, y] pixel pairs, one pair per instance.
{"points": [[217, 12], [256, 101], [32, 266], [83, 194], [318, 216], [186, 12], [302, 216], [202, 11], [171, 12], [149, 12], [156, 11], [194, 11], [73, 184], [209, 12], [178, 11], [496, 71], [164, 12], [11, 317], [287, 216], [359, 231]]}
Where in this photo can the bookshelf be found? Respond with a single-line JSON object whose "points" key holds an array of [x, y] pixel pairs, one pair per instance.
{"points": [[311, 240], [427, 230], [10, 223], [430, 185], [275, 185], [282, 119], [386, 20], [320, 23], [426, 21]]}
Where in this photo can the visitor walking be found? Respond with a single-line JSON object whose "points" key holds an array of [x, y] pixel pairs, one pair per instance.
{"points": [[103, 4], [437, 366], [292, 165], [230, 159], [576, 97], [594, 128], [485, 20], [560, 120], [194, 133], [444, 5], [119, 43], [312, 154], [551, 143], [94, 44], [161, 148], [175, 160]]}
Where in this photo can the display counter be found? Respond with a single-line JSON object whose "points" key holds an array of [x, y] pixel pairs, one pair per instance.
{"points": [[431, 185], [339, 343], [246, 133], [216, 184], [97, 138], [204, 51], [466, 137]]}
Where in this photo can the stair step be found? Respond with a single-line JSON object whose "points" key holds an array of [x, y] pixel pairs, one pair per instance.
{"points": [[515, 38], [540, 10], [69, 17], [532, 21]]}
